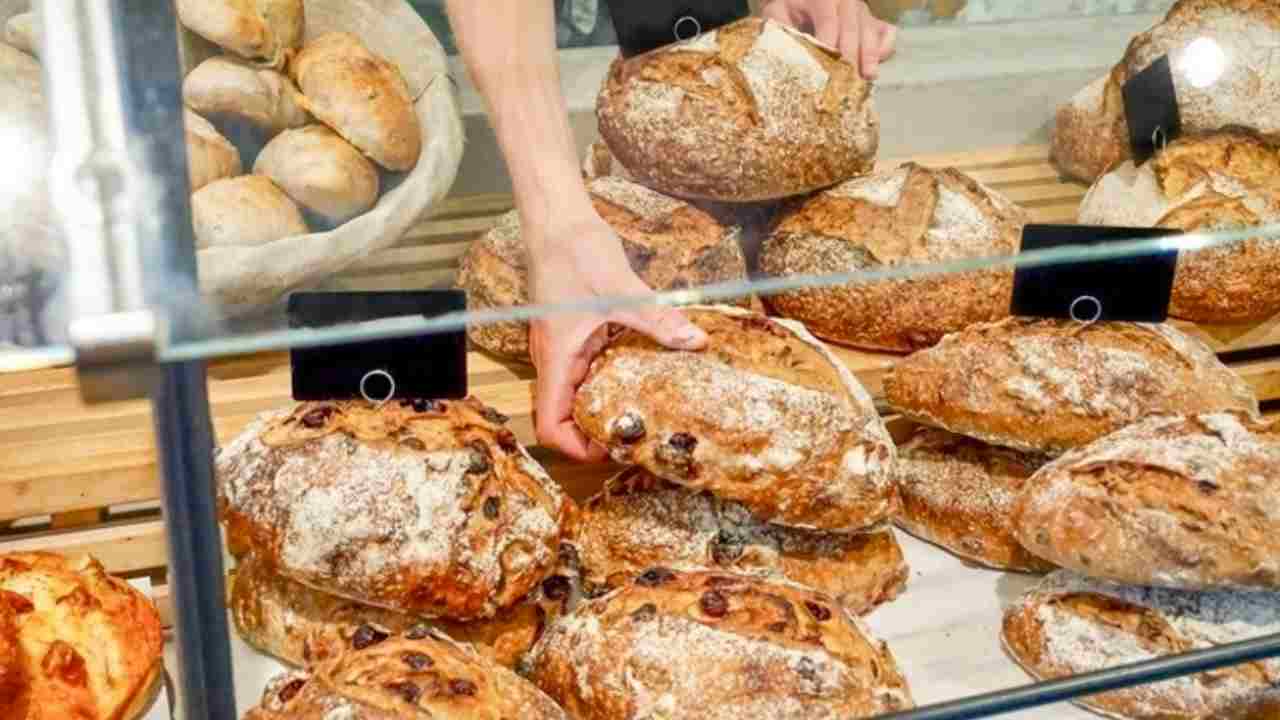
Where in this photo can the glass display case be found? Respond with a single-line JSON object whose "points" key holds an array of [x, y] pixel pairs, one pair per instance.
{"points": [[991, 353]]}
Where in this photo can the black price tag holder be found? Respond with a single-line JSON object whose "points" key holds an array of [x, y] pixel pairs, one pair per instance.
{"points": [[1134, 288], [429, 366], [1151, 109], [645, 25]]}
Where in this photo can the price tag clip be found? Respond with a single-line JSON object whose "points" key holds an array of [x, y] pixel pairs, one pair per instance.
{"points": [[1151, 109]]}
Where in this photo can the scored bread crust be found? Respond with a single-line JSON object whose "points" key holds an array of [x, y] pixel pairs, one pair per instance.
{"points": [[1184, 502], [704, 645], [264, 31], [1069, 624], [436, 510], [1047, 386], [959, 493], [752, 111], [15, 687], [911, 215], [766, 415]]}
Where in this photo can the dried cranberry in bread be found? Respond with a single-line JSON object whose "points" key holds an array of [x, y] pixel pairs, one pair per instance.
{"points": [[705, 645], [752, 111], [1048, 385], [766, 415], [640, 521], [429, 507], [959, 493], [910, 216], [1069, 624], [15, 687], [419, 674]]}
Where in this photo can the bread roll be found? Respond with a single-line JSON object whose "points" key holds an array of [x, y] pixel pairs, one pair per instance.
{"points": [[752, 111], [909, 216], [698, 646], [1068, 625], [1047, 386], [22, 31], [229, 88], [264, 31], [765, 416], [15, 686], [321, 172], [429, 507], [210, 156], [247, 210], [361, 96]]}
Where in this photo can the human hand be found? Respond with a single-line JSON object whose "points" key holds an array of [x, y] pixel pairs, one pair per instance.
{"points": [[847, 25]]}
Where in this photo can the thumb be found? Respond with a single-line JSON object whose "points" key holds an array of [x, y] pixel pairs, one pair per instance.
{"points": [[667, 326]]}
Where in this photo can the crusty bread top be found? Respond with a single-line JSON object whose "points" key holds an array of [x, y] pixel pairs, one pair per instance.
{"points": [[265, 31], [225, 86], [15, 688]]}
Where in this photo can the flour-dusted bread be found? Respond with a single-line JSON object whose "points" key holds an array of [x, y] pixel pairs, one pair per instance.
{"points": [[670, 244], [321, 172], [752, 111], [705, 645], [1069, 624], [430, 507], [415, 675], [640, 521], [959, 493], [210, 156], [360, 95], [1238, 37], [1048, 386], [22, 31], [15, 686], [90, 645], [224, 87], [766, 415], [267, 32], [909, 216], [245, 210]]}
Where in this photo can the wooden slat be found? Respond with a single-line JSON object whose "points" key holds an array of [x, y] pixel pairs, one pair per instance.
{"points": [[122, 548]]}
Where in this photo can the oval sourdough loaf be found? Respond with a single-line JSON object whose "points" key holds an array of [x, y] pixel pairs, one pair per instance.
{"points": [[1048, 386], [640, 521], [959, 493], [245, 210], [264, 31], [320, 172], [752, 111], [670, 244], [766, 415], [1221, 181], [1186, 502], [416, 675], [912, 215], [224, 87], [430, 507], [1092, 136], [698, 646], [1069, 624]]}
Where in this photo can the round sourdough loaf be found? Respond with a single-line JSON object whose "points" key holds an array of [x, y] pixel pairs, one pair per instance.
{"points": [[910, 216], [752, 111], [640, 521], [415, 675], [249, 210], [766, 415], [429, 507], [1069, 625], [703, 646], [1047, 386], [1184, 502], [959, 493], [670, 244]]}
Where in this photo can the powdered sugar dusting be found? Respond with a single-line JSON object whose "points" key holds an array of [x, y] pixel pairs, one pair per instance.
{"points": [[637, 199]]}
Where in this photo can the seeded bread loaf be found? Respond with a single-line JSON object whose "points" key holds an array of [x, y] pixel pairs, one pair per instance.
{"points": [[765, 416], [1047, 386], [912, 215], [752, 111], [698, 646], [224, 87], [429, 507], [264, 31], [1069, 624]]}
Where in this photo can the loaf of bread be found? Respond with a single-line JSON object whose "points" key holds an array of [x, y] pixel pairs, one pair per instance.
{"points": [[22, 31], [1069, 624], [765, 416], [959, 493], [752, 111], [420, 674], [704, 645], [1220, 181], [361, 96], [224, 87], [210, 156], [321, 172], [670, 245], [429, 507], [1047, 386], [912, 215], [15, 686], [264, 31], [1201, 37], [245, 210]]}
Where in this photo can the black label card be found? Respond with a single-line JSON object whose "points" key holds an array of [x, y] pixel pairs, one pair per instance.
{"points": [[1134, 288], [425, 366], [1151, 108], [644, 25]]}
